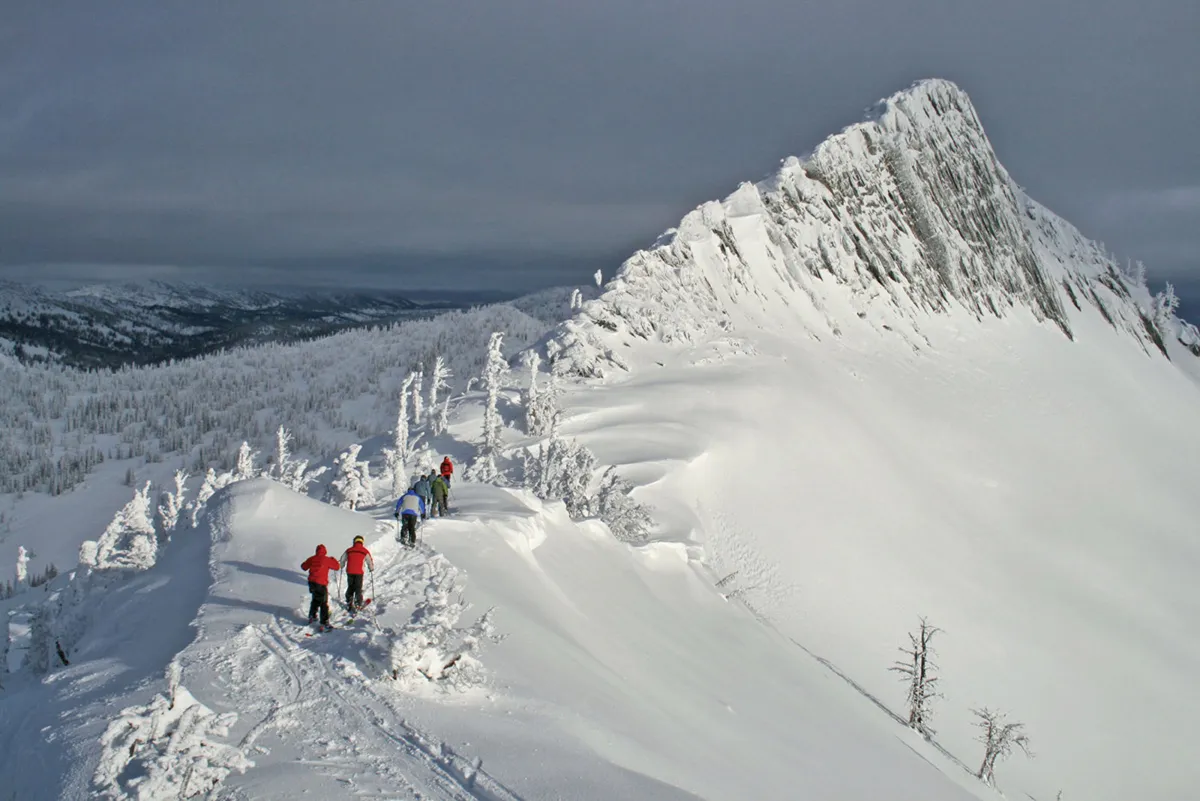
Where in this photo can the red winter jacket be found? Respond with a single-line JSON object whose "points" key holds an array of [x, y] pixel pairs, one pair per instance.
{"points": [[355, 555], [318, 566], [447, 467]]}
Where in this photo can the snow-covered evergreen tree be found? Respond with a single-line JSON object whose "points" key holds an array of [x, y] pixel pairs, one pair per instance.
{"points": [[212, 482], [397, 456], [1166, 304], [432, 649], [300, 477], [22, 569], [129, 541], [442, 420], [245, 469], [628, 520], [541, 405], [598, 278], [282, 469], [351, 487], [484, 468], [173, 747], [576, 300], [173, 504], [438, 380], [418, 400], [562, 469]]}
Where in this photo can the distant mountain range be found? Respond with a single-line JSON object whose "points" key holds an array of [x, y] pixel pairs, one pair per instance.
{"points": [[108, 325]]}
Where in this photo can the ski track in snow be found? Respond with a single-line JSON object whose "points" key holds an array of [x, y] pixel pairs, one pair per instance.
{"points": [[280, 680]]}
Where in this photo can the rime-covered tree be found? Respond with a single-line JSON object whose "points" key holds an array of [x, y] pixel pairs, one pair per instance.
{"points": [[576, 300], [562, 470], [212, 482], [173, 504], [281, 469], [628, 520], [438, 380], [245, 468], [432, 648], [397, 456], [541, 405], [920, 674], [351, 486], [418, 400], [598, 278], [22, 569], [484, 468], [173, 747], [441, 421], [1166, 304], [998, 739], [301, 477], [129, 541]]}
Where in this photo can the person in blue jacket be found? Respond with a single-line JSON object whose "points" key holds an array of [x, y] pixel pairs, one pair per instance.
{"points": [[425, 491], [409, 505]]}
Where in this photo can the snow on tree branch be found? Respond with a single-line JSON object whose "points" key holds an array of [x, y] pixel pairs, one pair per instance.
{"points": [[998, 740], [484, 468], [172, 747], [351, 487], [919, 671], [432, 650], [173, 505]]}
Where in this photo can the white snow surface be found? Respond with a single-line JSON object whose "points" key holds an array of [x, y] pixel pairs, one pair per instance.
{"points": [[623, 674], [840, 426]]}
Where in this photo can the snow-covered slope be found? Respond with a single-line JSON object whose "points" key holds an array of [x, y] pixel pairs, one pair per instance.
{"points": [[880, 385], [621, 675], [885, 384]]}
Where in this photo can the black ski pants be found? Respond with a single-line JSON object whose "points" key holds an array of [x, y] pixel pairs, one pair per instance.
{"points": [[320, 602], [354, 590], [408, 529]]}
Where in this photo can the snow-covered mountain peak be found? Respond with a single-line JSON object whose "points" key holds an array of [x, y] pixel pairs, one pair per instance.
{"points": [[903, 215]]}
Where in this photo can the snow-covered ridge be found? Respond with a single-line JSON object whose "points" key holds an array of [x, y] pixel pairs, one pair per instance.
{"points": [[894, 218]]}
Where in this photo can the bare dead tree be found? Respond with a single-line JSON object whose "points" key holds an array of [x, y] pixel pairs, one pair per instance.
{"points": [[919, 671], [998, 739]]}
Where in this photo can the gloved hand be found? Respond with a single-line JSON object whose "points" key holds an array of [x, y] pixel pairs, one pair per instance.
{"points": [[396, 515]]}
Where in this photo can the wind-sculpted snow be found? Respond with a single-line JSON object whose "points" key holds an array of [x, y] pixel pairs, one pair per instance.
{"points": [[895, 218]]}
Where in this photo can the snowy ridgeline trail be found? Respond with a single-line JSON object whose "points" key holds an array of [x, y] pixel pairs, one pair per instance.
{"points": [[616, 673]]}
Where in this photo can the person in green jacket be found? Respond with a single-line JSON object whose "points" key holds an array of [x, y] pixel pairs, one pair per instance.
{"points": [[441, 496]]}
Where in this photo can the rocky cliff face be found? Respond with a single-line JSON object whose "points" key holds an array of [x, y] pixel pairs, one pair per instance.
{"points": [[896, 218]]}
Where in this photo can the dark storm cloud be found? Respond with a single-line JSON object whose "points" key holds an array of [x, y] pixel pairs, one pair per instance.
{"points": [[530, 141]]}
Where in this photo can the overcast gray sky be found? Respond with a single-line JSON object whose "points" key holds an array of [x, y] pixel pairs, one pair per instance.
{"points": [[524, 143]]}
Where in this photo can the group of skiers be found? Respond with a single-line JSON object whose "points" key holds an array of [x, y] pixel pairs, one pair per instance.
{"points": [[429, 496]]}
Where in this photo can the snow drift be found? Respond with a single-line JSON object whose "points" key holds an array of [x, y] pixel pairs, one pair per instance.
{"points": [[884, 384]]}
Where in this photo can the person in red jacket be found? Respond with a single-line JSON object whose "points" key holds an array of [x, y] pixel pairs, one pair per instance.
{"points": [[355, 557], [318, 567], [447, 469]]}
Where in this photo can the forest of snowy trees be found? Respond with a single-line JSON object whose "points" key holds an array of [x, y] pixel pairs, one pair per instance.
{"points": [[60, 423]]}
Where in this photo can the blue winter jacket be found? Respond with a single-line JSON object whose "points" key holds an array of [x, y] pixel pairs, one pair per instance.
{"points": [[410, 503], [423, 489]]}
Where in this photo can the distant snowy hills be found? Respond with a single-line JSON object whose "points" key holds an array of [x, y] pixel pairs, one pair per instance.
{"points": [[113, 324]]}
